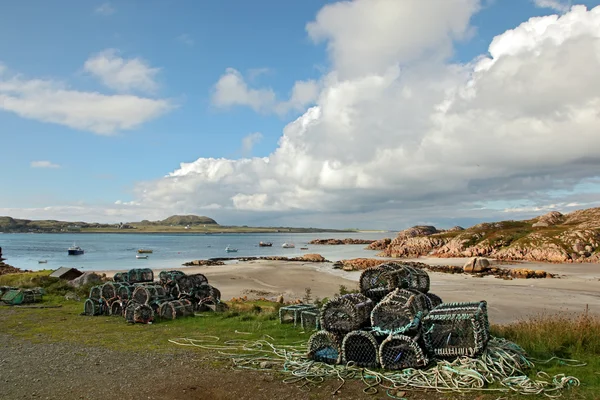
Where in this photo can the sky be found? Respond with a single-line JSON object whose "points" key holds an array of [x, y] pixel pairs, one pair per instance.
{"points": [[370, 114]]}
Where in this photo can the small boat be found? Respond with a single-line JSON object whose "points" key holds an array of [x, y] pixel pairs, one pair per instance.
{"points": [[230, 249], [75, 250], [265, 244], [288, 245], [303, 248], [139, 256], [43, 261], [141, 251]]}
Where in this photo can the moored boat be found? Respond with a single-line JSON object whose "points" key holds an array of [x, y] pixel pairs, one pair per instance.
{"points": [[139, 256], [265, 244], [288, 245], [230, 249], [75, 250], [142, 251]]}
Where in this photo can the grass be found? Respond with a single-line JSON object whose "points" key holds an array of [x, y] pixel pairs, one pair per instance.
{"points": [[543, 337], [52, 286]]}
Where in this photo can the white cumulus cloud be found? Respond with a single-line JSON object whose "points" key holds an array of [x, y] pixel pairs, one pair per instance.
{"points": [[232, 90], [400, 131], [43, 164], [557, 5], [249, 141], [55, 102], [121, 74]]}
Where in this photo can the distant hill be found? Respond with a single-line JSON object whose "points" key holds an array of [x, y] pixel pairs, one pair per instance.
{"points": [[188, 220], [553, 237]]}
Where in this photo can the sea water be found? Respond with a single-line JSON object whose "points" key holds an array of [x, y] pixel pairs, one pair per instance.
{"points": [[115, 251]]}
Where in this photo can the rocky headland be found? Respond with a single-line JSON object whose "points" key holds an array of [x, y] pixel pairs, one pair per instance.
{"points": [[553, 237]]}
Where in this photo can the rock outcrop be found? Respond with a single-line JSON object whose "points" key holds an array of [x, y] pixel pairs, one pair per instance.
{"points": [[334, 242], [380, 244], [478, 267], [8, 269], [221, 260], [553, 237]]}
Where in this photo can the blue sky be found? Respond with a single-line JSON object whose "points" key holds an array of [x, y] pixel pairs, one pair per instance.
{"points": [[189, 46]]}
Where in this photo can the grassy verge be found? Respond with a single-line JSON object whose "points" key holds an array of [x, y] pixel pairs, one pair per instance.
{"points": [[543, 337]]}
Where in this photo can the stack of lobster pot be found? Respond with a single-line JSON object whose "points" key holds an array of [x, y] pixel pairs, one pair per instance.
{"points": [[406, 326], [137, 297]]}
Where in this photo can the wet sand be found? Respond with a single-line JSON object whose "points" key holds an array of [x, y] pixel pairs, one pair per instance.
{"points": [[578, 286]]}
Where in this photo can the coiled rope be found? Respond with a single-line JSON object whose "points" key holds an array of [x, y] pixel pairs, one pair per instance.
{"points": [[503, 363]]}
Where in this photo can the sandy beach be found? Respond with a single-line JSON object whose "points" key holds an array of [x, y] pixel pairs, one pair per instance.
{"points": [[508, 300]]}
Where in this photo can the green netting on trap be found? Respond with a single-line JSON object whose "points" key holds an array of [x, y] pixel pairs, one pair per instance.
{"points": [[411, 298], [121, 277], [361, 348], [310, 320], [346, 313], [391, 316], [185, 285], [167, 277], [125, 291], [95, 292], [129, 311], [139, 275], [205, 294], [143, 314], [400, 352], [292, 313], [32, 295], [110, 290], [144, 294], [198, 279], [408, 276], [93, 307], [325, 347], [433, 299], [117, 307], [175, 309], [457, 329]]}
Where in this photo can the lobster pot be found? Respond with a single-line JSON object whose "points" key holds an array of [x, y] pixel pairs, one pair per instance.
{"points": [[129, 312], [289, 314], [167, 277], [124, 292], [121, 277], [185, 285], [400, 352], [110, 290], [361, 348], [457, 329], [376, 282], [418, 279], [433, 299], [143, 314], [6, 289], [346, 313], [145, 294], [206, 293], [391, 317], [93, 307], [173, 309], [32, 295], [309, 320], [413, 299], [95, 292], [408, 277], [325, 347], [140, 275], [117, 307], [198, 279]]}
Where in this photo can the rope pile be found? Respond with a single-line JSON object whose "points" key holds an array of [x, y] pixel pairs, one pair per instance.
{"points": [[135, 296], [502, 364]]}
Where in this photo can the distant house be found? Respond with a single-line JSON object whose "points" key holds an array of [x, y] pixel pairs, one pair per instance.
{"points": [[66, 273]]}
